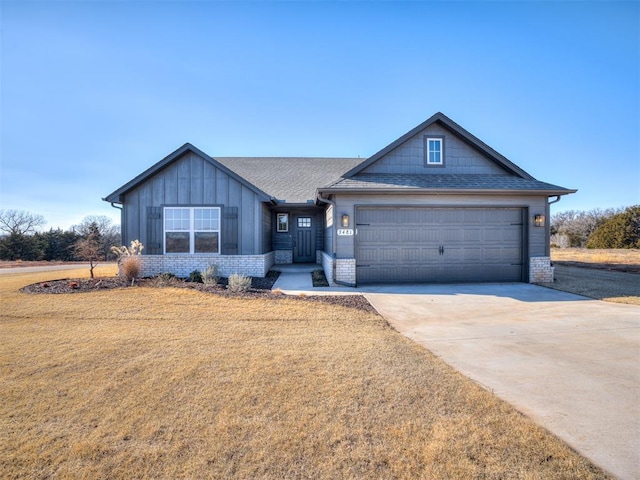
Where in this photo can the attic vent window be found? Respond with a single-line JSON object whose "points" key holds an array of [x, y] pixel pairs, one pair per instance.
{"points": [[434, 151]]}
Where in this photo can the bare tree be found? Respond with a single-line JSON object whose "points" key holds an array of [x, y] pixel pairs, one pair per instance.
{"points": [[573, 228], [109, 234], [20, 222], [89, 247]]}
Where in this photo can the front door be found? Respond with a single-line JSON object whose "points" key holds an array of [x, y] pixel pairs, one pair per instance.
{"points": [[304, 250]]}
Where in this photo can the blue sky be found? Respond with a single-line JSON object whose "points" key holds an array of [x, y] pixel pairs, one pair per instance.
{"points": [[94, 92]]}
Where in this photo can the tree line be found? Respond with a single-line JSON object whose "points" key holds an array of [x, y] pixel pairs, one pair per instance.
{"points": [[597, 228], [21, 238]]}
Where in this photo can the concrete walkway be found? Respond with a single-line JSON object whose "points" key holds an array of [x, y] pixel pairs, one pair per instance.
{"points": [[295, 279], [570, 363]]}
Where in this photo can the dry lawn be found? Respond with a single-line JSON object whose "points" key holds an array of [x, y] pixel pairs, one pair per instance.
{"points": [[175, 383], [610, 259], [609, 275]]}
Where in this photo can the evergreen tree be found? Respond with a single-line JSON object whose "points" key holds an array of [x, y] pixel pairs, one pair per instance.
{"points": [[620, 231]]}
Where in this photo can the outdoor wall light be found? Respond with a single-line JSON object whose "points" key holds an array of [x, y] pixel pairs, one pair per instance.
{"points": [[345, 221], [538, 220]]}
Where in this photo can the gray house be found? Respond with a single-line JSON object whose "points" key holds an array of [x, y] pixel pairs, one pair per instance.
{"points": [[436, 205]]}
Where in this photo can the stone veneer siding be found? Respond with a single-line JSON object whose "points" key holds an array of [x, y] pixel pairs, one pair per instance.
{"points": [[345, 269], [283, 257], [327, 266], [540, 270], [183, 265]]}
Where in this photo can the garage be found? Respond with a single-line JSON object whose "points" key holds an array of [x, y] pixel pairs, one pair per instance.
{"points": [[448, 244]]}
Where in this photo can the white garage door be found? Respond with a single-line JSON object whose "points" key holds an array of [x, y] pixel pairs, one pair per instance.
{"points": [[419, 244]]}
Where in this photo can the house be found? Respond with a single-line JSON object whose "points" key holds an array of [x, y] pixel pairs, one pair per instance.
{"points": [[436, 205]]}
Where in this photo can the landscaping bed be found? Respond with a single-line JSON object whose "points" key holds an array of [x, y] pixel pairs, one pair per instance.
{"points": [[260, 288]]}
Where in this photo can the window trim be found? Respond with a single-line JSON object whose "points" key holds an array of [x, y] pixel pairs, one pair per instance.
{"points": [[304, 219], [191, 231], [278, 215], [427, 139]]}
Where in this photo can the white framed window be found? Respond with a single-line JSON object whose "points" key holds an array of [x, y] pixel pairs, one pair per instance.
{"points": [[304, 222], [434, 153], [282, 222], [192, 230]]}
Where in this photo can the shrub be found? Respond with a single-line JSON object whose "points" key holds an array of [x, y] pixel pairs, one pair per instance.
{"points": [[165, 280], [239, 283], [195, 276], [620, 231], [131, 267], [210, 275]]}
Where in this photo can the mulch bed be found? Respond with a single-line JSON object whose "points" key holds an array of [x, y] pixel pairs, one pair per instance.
{"points": [[260, 288], [319, 279]]}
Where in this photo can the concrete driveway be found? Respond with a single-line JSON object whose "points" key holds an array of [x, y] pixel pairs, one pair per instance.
{"points": [[570, 363]]}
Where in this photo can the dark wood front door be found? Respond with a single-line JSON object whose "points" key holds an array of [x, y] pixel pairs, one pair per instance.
{"points": [[304, 250]]}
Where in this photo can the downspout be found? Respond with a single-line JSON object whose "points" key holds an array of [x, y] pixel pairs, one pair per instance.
{"points": [[547, 247], [333, 239], [113, 204]]}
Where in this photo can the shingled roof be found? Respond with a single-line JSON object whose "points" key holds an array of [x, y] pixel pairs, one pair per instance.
{"points": [[444, 183], [289, 179]]}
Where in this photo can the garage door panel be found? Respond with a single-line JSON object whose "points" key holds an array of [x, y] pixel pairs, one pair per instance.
{"points": [[512, 235], [416, 244], [472, 234]]}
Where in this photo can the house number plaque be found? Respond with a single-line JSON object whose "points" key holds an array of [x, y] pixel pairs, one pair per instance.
{"points": [[345, 232]]}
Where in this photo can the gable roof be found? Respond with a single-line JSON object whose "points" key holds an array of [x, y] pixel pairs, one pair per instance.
{"points": [[117, 196], [288, 179], [443, 183], [456, 129]]}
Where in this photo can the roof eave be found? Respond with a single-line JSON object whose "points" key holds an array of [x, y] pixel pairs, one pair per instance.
{"points": [[445, 191]]}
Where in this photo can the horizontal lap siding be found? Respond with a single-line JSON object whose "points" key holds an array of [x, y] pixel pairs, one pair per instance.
{"points": [[285, 240]]}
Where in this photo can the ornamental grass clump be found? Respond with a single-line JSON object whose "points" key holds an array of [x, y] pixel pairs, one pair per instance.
{"points": [[129, 261], [131, 267], [210, 275], [239, 283]]}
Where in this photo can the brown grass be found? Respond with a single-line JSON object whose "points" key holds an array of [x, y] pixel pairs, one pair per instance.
{"points": [[609, 275], [599, 258], [175, 383]]}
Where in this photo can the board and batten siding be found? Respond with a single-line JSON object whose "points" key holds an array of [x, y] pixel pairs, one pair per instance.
{"points": [[267, 229], [459, 157], [194, 181], [536, 244]]}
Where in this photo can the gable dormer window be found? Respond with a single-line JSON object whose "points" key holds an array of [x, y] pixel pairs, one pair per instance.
{"points": [[434, 151]]}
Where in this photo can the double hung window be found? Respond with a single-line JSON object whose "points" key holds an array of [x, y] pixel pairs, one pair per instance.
{"points": [[434, 151], [283, 222], [192, 229]]}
